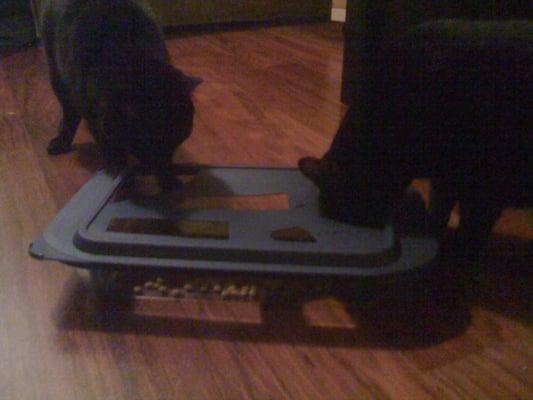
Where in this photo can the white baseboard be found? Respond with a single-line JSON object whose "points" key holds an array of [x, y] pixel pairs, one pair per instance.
{"points": [[338, 14]]}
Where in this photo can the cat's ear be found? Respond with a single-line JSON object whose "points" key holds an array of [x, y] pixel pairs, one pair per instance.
{"points": [[191, 82]]}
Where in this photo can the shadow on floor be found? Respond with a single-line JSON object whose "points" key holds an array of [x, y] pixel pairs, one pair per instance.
{"points": [[504, 285], [408, 316], [400, 319], [415, 311]]}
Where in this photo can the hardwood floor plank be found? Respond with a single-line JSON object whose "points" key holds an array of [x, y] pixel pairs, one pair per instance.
{"points": [[498, 372], [270, 96]]}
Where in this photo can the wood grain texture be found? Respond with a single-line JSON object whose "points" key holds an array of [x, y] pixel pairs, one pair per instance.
{"points": [[270, 96]]}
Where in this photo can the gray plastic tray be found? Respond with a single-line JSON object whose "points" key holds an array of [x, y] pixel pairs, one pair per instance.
{"points": [[79, 234]]}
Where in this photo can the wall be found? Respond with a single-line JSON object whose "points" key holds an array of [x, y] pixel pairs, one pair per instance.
{"points": [[338, 10], [197, 12]]}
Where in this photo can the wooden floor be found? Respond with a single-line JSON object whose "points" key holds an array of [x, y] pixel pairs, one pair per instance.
{"points": [[270, 96]]}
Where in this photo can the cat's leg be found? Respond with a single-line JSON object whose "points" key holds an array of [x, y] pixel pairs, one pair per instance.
{"points": [[62, 143], [112, 147], [478, 216], [70, 121], [114, 156], [351, 134], [318, 170], [166, 178], [409, 213], [349, 142], [442, 199], [114, 152]]}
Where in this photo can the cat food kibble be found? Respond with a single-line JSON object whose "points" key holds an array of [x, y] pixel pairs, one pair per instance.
{"points": [[149, 285], [252, 292]]}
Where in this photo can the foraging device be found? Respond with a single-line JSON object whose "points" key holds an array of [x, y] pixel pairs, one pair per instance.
{"points": [[221, 219]]}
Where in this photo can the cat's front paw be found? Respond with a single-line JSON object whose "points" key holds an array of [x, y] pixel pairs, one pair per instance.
{"points": [[58, 146], [410, 214], [168, 183], [312, 168]]}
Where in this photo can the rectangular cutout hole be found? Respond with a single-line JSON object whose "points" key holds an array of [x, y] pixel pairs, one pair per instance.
{"points": [[182, 228], [258, 203]]}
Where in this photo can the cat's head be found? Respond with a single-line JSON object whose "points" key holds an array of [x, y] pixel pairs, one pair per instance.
{"points": [[349, 192], [149, 112]]}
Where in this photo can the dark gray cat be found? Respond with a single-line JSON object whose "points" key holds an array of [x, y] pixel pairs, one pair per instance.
{"points": [[453, 103], [109, 65]]}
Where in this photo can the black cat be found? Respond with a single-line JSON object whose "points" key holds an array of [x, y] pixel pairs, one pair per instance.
{"points": [[452, 102], [109, 65]]}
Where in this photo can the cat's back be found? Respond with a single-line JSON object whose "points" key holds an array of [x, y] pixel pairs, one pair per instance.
{"points": [[465, 51], [68, 12], [468, 41], [77, 31], [472, 34], [461, 100], [463, 70]]}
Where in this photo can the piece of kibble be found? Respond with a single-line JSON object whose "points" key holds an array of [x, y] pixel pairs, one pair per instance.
{"points": [[160, 281], [176, 293], [188, 287], [244, 291], [162, 289], [149, 285], [138, 290], [252, 292], [228, 292], [232, 291], [217, 288], [231, 288]]}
